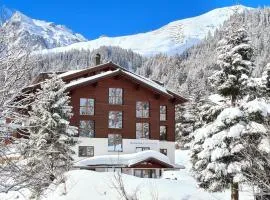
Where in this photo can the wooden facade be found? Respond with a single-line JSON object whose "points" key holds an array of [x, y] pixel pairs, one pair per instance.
{"points": [[134, 89], [132, 93]]}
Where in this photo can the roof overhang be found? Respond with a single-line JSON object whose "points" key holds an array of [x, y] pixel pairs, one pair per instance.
{"points": [[154, 160], [175, 98]]}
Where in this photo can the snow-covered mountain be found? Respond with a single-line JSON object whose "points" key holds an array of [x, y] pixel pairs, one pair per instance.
{"points": [[34, 34], [172, 38]]}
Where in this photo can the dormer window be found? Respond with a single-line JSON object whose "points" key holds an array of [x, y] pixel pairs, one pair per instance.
{"points": [[116, 96]]}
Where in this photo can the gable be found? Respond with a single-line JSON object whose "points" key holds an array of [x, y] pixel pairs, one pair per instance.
{"points": [[79, 78], [151, 163], [138, 82]]}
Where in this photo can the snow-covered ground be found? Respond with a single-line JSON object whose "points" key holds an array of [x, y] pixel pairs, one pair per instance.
{"points": [[175, 185]]}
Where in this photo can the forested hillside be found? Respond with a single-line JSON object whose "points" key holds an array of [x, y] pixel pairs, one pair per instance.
{"points": [[186, 73]]}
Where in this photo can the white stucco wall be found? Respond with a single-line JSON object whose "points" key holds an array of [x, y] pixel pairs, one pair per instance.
{"points": [[129, 146]]}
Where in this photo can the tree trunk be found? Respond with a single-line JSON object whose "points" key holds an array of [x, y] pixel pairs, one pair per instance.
{"points": [[234, 191], [233, 100]]}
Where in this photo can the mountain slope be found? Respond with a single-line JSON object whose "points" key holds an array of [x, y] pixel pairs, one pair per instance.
{"points": [[170, 39], [21, 30]]}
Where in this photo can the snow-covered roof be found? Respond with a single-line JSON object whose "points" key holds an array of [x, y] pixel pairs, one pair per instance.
{"points": [[147, 81], [91, 78], [126, 160], [150, 83], [70, 72], [78, 78]]}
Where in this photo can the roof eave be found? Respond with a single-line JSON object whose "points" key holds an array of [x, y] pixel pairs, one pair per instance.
{"points": [[155, 159]]}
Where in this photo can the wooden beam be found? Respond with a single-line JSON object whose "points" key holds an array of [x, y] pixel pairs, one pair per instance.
{"points": [[157, 96], [172, 100], [95, 84], [116, 77], [137, 86]]}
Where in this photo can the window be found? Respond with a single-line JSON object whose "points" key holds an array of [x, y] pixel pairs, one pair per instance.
{"points": [[145, 173], [87, 128], [87, 106], [163, 151], [86, 151], [163, 133], [142, 130], [138, 149], [142, 109], [115, 119], [116, 96], [115, 142], [163, 113]]}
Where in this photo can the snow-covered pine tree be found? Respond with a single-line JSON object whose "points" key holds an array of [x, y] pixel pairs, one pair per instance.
{"points": [[258, 154], [266, 81], [47, 151], [188, 120], [235, 61], [186, 123], [216, 147]]}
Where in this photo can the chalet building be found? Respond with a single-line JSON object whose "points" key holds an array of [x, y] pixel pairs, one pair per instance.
{"points": [[117, 113]]}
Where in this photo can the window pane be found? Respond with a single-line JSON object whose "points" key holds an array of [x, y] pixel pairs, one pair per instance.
{"points": [[115, 119], [163, 151], [163, 133], [163, 112], [83, 101], [115, 142], [87, 128], [87, 106], [115, 96], [142, 130], [142, 109], [138, 172], [86, 151]]}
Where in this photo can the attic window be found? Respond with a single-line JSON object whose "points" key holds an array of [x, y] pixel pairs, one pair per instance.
{"points": [[116, 96]]}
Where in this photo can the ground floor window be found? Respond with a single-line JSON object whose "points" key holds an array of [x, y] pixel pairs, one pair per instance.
{"points": [[138, 149], [145, 173], [115, 142], [163, 151], [86, 151]]}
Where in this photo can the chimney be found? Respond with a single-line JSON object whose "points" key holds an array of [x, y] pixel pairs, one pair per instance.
{"points": [[97, 59]]}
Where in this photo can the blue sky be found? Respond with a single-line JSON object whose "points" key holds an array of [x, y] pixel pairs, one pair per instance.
{"points": [[93, 18]]}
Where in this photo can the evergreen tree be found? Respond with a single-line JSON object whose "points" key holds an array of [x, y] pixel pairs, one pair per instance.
{"points": [[235, 61], [217, 146], [187, 121], [47, 151]]}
